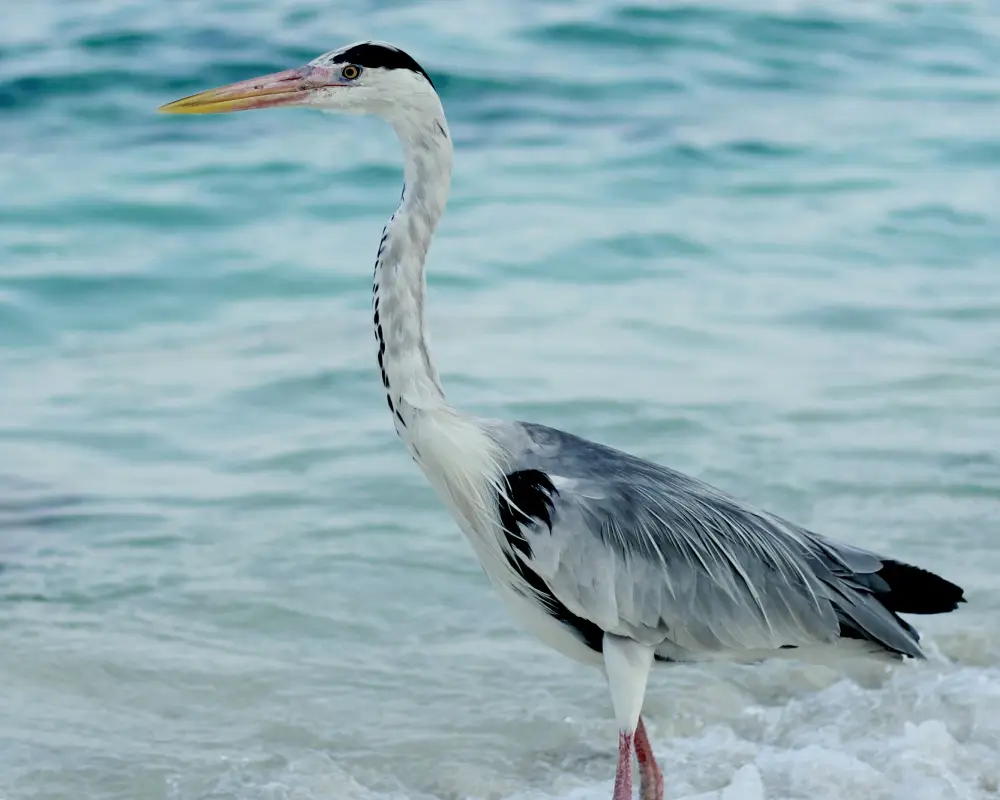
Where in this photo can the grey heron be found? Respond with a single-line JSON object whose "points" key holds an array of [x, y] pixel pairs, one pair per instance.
{"points": [[610, 559]]}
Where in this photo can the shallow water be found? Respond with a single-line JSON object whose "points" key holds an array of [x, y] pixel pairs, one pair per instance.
{"points": [[759, 246]]}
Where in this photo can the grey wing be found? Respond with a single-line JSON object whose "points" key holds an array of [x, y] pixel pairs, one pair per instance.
{"points": [[642, 551]]}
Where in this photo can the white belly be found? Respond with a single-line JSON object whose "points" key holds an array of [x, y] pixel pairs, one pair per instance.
{"points": [[530, 614], [551, 631]]}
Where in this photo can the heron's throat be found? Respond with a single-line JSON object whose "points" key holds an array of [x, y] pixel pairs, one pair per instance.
{"points": [[409, 376]]}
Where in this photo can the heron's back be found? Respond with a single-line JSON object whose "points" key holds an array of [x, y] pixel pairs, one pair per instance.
{"points": [[614, 543]]}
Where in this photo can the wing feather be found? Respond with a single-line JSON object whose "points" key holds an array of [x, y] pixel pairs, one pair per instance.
{"points": [[649, 553]]}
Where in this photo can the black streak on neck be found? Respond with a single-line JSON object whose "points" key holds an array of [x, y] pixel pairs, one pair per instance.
{"points": [[379, 337]]}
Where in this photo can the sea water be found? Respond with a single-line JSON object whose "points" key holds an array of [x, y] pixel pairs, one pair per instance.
{"points": [[758, 242]]}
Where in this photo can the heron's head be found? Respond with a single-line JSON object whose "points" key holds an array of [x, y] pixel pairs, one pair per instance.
{"points": [[363, 78]]}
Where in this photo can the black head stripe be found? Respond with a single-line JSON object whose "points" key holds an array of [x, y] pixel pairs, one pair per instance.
{"points": [[374, 55]]}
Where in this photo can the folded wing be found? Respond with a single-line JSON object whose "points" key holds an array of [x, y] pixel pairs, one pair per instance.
{"points": [[639, 550]]}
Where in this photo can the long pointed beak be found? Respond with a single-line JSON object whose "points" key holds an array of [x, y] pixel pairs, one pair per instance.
{"points": [[293, 87]]}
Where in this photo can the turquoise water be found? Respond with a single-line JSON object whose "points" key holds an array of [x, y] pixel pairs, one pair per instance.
{"points": [[759, 246]]}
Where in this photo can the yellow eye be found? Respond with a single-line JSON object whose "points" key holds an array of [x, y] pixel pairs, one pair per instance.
{"points": [[350, 72]]}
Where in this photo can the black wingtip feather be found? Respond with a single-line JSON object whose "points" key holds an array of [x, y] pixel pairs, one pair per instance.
{"points": [[913, 590]]}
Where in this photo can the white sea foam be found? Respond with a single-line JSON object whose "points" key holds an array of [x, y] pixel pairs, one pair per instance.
{"points": [[920, 733], [921, 736]]}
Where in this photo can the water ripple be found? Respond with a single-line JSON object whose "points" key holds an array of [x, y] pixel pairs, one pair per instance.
{"points": [[755, 243]]}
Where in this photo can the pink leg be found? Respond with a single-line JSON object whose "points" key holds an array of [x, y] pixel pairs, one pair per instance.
{"points": [[623, 777], [650, 777]]}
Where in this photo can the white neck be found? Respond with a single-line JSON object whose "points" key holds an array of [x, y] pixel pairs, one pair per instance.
{"points": [[462, 461], [408, 373]]}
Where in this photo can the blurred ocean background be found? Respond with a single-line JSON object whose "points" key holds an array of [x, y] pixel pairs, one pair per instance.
{"points": [[759, 242]]}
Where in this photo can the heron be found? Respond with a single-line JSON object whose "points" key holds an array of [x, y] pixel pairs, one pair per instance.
{"points": [[612, 560]]}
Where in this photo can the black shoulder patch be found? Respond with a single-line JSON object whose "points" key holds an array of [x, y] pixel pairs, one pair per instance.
{"points": [[529, 499], [375, 55]]}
